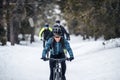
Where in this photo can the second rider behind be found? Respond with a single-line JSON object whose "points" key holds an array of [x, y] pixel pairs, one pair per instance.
{"points": [[46, 33]]}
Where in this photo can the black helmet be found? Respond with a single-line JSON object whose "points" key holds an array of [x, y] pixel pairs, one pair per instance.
{"points": [[46, 25], [57, 21], [57, 31]]}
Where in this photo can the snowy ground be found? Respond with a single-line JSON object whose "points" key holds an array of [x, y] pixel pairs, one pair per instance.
{"points": [[93, 61]]}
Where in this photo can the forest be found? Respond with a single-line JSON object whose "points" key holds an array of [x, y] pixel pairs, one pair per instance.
{"points": [[88, 18]]}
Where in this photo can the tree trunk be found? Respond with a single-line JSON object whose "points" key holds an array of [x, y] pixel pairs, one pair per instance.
{"points": [[32, 34], [11, 32]]}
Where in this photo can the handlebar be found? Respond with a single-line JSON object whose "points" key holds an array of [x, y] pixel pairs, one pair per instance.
{"points": [[62, 59]]}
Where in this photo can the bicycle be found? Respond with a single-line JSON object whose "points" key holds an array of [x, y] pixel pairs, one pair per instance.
{"points": [[57, 70]]}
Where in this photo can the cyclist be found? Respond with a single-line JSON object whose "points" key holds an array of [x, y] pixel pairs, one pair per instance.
{"points": [[56, 44], [46, 33], [65, 34]]}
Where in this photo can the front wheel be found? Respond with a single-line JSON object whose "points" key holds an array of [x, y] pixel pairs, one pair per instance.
{"points": [[57, 75]]}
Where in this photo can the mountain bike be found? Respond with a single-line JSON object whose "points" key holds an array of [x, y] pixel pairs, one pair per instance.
{"points": [[57, 70]]}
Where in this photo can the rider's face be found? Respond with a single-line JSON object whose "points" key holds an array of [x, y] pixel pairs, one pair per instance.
{"points": [[57, 38], [46, 27]]}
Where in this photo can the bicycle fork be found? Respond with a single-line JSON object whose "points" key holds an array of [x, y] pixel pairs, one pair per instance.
{"points": [[57, 72]]}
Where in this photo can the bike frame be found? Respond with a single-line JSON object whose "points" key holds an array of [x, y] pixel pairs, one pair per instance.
{"points": [[57, 71]]}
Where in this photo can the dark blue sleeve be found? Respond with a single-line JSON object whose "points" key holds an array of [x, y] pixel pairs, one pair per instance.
{"points": [[63, 29], [65, 32]]}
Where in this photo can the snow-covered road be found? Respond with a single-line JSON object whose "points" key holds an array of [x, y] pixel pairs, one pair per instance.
{"points": [[93, 61]]}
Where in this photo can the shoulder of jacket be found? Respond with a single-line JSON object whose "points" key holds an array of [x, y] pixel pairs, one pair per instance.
{"points": [[51, 40], [65, 41], [50, 28], [42, 28]]}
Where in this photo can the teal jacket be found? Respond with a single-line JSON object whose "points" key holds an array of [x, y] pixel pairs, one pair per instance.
{"points": [[58, 48]]}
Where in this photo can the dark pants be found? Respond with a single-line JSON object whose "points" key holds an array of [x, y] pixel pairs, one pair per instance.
{"points": [[44, 42], [52, 65]]}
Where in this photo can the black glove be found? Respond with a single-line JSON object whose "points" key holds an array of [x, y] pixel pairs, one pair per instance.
{"points": [[44, 58], [71, 58]]}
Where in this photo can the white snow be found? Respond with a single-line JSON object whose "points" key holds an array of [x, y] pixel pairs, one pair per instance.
{"points": [[93, 61]]}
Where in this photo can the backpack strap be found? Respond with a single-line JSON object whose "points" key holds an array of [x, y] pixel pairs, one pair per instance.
{"points": [[62, 42]]}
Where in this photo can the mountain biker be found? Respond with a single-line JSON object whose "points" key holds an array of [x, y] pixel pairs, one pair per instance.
{"points": [[46, 33], [56, 44], [65, 34]]}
